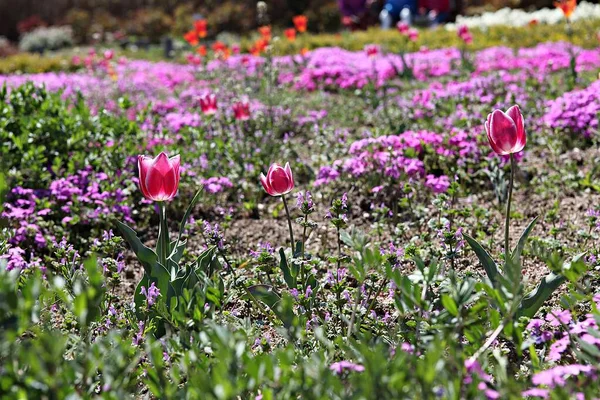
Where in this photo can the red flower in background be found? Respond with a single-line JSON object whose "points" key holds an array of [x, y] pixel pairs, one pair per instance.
{"points": [[413, 35], [402, 27], [191, 37], [208, 104], [201, 50], [372, 50], [201, 27], [290, 34], [300, 22], [241, 110], [567, 6], [265, 32]]}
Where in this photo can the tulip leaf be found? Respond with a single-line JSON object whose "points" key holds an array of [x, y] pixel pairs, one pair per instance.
{"points": [[156, 272], [491, 269], [516, 254], [287, 275], [207, 262], [266, 294], [532, 302], [185, 218], [178, 249]]}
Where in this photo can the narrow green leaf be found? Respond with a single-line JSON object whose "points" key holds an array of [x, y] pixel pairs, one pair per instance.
{"points": [[532, 302], [156, 272], [516, 254], [450, 305], [287, 275], [185, 218], [491, 269], [266, 294]]}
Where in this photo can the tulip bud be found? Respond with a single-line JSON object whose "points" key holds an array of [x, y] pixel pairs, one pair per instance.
{"points": [[241, 110], [371, 50], [159, 177], [403, 27], [208, 104], [413, 35], [279, 180], [506, 131]]}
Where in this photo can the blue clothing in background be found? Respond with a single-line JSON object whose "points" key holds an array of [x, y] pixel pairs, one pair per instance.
{"points": [[394, 7]]}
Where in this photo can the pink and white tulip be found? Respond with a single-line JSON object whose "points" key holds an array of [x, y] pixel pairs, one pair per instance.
{"points": [[159, 176], [506, 131], [279, 180]]}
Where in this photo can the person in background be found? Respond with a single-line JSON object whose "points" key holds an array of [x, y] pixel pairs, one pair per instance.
{"points": [[435, 11], [355, 13], [397, 10]]}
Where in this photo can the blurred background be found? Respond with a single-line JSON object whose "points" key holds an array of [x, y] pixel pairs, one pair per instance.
{"points": [[155, 29], [91, 19]]}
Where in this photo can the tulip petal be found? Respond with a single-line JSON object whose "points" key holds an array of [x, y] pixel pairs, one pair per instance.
{"points": [[515, 113], [143, 166], [502, 132], [265, 184], [278, 180], [288, 172]]}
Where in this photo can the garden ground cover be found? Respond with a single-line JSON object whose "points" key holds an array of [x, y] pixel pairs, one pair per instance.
{"points": [[399, 169]]}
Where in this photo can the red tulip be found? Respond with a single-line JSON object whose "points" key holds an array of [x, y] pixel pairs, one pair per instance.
{"points": [[200, 26], [290, 34], [208, 104], [402, 27], [300, 22], [241, 110], [413, 35], [464, 33], [279, 180], [506, 131], [371, 50], [191, 37], [159, 177]]}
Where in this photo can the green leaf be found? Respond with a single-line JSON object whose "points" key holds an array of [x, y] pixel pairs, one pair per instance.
{"points": [[156, 272], [266, 294], [491, 269], [184, 220], [287, 275], [449, 304], [207, 262], [532, 302], [516, 254]]}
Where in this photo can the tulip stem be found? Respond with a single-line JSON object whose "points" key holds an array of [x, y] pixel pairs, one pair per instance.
{"points": [[287, 211], [507, 221], [163, 234]]}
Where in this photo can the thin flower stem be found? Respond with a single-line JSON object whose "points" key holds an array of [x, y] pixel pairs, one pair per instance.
{"points": [[489, 342], [354, 309], [303, 251], [507, 220], [163, 234], [287, 211]]}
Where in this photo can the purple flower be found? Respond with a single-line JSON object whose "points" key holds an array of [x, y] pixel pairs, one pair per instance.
{"points": [[557, 376], [151, 294], [558, 317], [341, 366]]}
